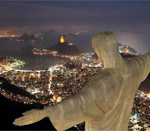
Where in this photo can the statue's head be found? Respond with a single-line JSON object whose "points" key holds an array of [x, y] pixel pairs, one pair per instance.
{"points": [[106, 47]]}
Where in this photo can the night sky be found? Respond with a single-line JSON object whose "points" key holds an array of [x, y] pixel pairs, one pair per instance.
{"points": [[130, 21]]}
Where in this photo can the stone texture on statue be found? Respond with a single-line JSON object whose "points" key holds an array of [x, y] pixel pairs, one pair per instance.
{"points": [[106, 101]]}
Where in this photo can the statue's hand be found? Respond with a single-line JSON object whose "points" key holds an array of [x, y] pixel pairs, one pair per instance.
{"points": [[30, 117]]}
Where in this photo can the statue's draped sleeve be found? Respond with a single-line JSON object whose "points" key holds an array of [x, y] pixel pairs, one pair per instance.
{"points": [[66, 114], [141, 66], [85, 105], [71, 111]]}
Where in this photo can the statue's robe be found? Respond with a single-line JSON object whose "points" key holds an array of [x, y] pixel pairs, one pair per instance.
{"points": [[105, 103]]}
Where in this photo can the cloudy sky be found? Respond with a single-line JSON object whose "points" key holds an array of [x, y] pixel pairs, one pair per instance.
{"points": [[130, 21]]}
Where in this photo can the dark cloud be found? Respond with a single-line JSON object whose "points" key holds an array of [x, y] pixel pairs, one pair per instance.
{"points": [[123, 31], [71, 13], [137, 32], [34, 17]]}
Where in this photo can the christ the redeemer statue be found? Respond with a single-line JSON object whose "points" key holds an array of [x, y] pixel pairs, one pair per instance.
{"points": [[106, 101]]}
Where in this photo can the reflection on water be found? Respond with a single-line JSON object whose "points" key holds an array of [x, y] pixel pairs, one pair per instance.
{"points": [[39, 62]]}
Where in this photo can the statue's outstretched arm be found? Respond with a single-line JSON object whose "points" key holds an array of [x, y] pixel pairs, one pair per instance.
{"points": [[93, 101], [141, 66]]}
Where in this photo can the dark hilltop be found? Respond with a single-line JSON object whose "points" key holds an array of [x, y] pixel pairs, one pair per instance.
{"points": [[65, 48]]}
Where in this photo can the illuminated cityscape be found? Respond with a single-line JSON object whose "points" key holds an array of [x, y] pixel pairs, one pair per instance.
{"points": [[60, 81], [46, 54]]}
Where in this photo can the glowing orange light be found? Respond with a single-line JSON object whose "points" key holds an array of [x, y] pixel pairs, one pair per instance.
{"points": [[59, 99], [62, 39], [127, 50]]}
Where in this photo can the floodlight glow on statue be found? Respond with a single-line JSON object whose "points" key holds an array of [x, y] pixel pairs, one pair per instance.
{"points": [[106, 101]]}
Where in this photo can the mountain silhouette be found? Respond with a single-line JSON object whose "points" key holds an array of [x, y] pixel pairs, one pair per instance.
{"points": [[65, 48], [26, 37]]}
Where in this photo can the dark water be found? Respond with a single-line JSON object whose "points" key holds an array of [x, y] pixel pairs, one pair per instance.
{"points": [[39, 62], [14, 89], [10, 110]]}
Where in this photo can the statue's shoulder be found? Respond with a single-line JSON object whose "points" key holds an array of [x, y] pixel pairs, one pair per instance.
{"points": [[137, 60], [107, 73], [106, 76], [106, 86]]}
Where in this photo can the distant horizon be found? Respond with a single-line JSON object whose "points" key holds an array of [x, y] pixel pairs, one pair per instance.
{"points": [[129, 20]]}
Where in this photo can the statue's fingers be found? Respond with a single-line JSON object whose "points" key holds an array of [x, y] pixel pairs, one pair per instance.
{"points": [[18, 119], [29, 112], [24, 118], [23, 122]]}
